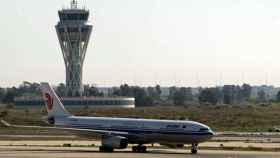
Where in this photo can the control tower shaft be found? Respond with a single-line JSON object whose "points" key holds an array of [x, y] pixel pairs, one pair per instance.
{"points": [[74, 32]]}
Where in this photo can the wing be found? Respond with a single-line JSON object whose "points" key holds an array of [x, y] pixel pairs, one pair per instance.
{"points": [[81, 131]]}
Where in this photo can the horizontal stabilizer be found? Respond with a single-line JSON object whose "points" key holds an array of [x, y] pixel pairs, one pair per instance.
{"points": [[6, 124]]}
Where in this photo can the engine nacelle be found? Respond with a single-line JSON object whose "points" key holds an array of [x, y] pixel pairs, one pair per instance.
{"points": [[116, 142], [49, 120]]}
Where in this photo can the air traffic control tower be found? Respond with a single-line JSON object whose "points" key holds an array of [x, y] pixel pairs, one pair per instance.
{"points": [[74, 32]]}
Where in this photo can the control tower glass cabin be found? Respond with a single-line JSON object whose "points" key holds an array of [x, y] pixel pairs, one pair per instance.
{"points": [[74, 32]]}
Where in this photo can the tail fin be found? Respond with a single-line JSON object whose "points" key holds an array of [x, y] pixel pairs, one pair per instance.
{"points": [[53, 104]]}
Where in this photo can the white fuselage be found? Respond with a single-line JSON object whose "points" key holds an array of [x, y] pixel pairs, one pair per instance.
{"points": [[142, 131]]}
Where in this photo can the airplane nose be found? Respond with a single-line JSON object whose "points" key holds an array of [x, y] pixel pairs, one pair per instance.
{"points": [[211, 133]]}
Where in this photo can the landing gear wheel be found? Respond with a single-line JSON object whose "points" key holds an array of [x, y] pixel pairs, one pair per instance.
{"points": [[134, 149], [194, 148], [143, 149], [139, 149], [194, 151], [106, 149]]}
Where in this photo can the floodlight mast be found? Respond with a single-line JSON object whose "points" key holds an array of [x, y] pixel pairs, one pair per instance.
{"points": [[74, 32]]}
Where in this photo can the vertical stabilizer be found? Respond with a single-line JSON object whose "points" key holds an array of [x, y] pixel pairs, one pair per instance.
{"points": [[53, 104]]}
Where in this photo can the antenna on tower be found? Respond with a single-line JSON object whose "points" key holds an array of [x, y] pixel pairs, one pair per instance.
{"points": [[74, 4]]}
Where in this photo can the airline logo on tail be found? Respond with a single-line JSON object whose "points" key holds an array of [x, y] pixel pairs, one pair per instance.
{"points": [[49, 101]]}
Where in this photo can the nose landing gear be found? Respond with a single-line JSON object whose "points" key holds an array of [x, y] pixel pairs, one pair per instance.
{"points": [[194, 148]]}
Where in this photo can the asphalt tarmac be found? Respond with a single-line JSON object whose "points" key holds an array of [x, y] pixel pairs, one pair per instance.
{"points": [[76, 152], [26, 147]]}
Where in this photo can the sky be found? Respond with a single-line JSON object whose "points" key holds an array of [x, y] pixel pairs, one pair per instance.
{"points": [[147, 42]]}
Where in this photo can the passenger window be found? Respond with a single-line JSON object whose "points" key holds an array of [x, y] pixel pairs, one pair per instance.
{"points": [[74, 120], [172, 126]]}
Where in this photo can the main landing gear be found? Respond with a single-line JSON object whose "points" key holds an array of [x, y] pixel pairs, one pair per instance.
{"points": [[139, 149], [106, 149], [194, 148]]}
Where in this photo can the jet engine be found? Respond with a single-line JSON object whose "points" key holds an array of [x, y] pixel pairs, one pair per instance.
{"points": [[49, 120], [116, 142]]}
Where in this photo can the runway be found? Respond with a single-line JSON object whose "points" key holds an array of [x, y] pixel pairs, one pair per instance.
{"points": [[53, 147], [76, 152]]}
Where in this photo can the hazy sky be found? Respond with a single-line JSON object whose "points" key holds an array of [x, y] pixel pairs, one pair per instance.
{"points": [[144, 42]]}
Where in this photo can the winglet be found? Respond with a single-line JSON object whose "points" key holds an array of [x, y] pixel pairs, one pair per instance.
{"points": [[5, 123]]}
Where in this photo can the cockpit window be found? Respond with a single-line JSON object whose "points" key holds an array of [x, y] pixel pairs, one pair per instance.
{"points": [[204, 129]]}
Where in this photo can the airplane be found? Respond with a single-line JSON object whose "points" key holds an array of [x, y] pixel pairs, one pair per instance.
{"points": [[117, 133]]}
